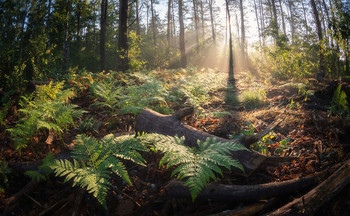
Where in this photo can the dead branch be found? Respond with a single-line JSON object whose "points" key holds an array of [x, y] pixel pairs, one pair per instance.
{"points": [[313, 200], [238, 193], [150, 121]]}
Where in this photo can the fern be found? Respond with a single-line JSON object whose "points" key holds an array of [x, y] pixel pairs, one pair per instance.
{"points": [[339, 100], [47, 109], [197, 166], [94, 162], [108, 95], [44, 169]]}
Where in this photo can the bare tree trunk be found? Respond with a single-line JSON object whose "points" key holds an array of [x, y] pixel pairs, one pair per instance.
{"points": [[319, 33], [66, 40], [168, 29], [154, 26], [305, 19], [262, 22], [230, 68], [138, 31], [103, 34], [292, 27], [212, 20], [282, 15], [123, 35], [196, 23], [275, 21], [257, 22], [202, 16], [182, 36], [243, 32]]}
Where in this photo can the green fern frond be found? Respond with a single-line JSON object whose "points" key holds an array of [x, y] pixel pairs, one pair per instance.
{"points": [[97, 160], [198, 166]]}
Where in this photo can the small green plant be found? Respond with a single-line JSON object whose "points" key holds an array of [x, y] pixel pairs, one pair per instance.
{"points": [[108, 95], [151, 93], [246, 130], [267, 146], [4, 172], [197, 165], [44, 169], [339, 102], [89, 124], [46, 110], [252, 99], [94, 162], [293, 105]]}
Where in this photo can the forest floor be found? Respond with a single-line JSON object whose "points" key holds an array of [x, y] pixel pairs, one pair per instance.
{"points": [[319, 139]]}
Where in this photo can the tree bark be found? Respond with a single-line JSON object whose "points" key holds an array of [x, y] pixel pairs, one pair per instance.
{"points": [[257, 22], [196, 24], [212, 21], [313, 200], [230, 67], [320, 36], [242, 31], [168, 33], [282, 15], [154, 28], [241, 193], [182, 36], [152, 122], [138, 31], [123, 36], [103, 24]]}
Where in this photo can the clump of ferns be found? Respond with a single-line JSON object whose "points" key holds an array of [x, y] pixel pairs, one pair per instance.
{"points": [[108, 96], [46, 111], [197, 165], [95, 161], [150, 94]]}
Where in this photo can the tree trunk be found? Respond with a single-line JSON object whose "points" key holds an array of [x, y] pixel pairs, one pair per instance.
{"points": [[250, 193], [182, 36], [123, 36], [257, 22], [212, 21], [138, 31], [230, 67], [262, 22], [152, 122], [154, 28], [196, 24], [103, 23], [202, 16], [168, 33], [243, 31], [310, 202], [282, 15], [274, 21], [320, 36], [66, 40], [305, 20]]}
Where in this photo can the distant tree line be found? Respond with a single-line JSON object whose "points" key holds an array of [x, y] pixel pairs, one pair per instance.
{"points": [[49, 38]]}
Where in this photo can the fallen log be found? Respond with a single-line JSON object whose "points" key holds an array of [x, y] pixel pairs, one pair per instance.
{"points": [[150, 121], [313, 200], [240, 193]]}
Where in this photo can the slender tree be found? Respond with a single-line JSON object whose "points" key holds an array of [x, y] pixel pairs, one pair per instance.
{"points": [[230, 67], [195, 14], [257, 22], [242, 30], [210, 2], [123, 35], [168, 33], [103, 24], [320, 36], [182, 36]]}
